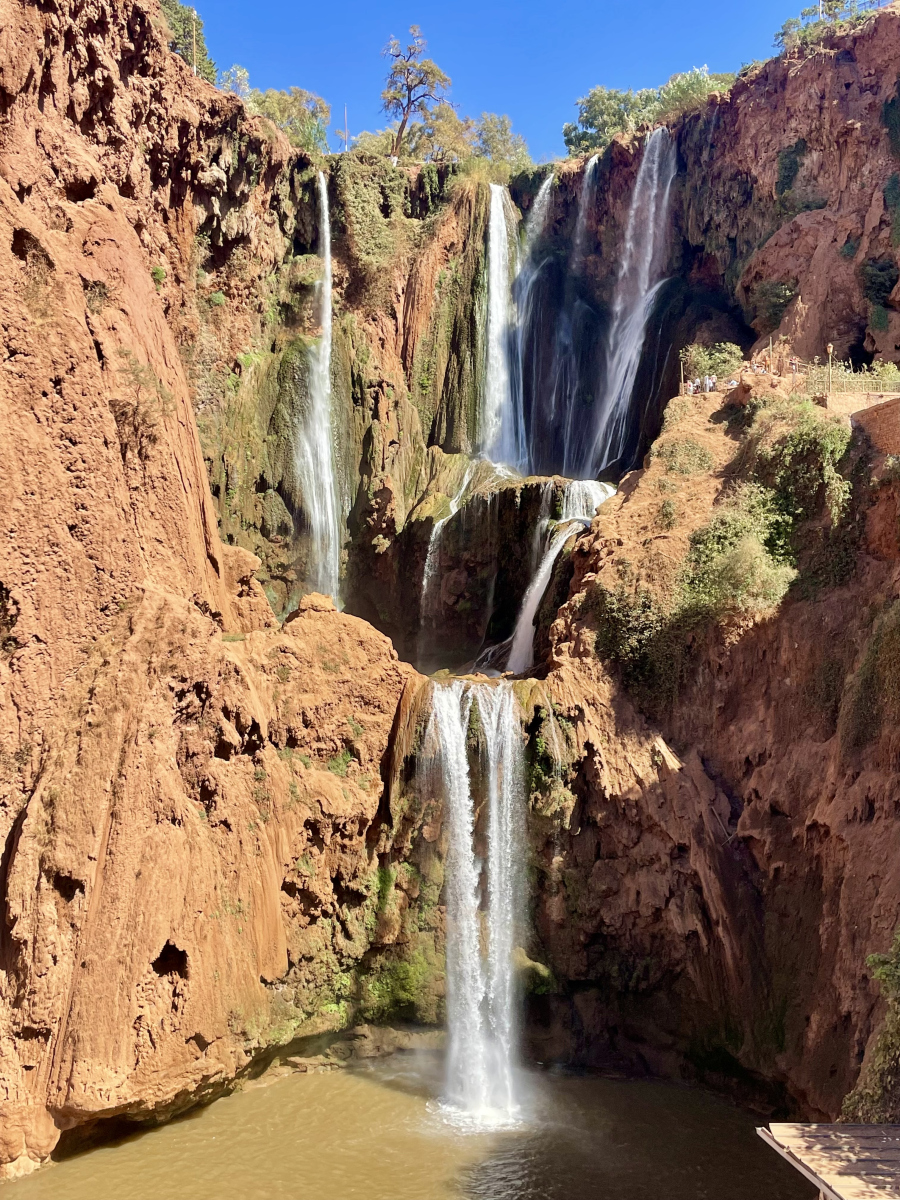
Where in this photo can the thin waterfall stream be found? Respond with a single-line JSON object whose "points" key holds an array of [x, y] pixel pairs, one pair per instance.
{"points": [[315, 454], [581, 499]]}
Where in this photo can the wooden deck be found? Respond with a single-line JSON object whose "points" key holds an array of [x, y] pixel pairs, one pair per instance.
{"points": [[845, 1162]]}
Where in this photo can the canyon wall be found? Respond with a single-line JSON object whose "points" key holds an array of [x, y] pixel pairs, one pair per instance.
{"points": [[216, 839]]}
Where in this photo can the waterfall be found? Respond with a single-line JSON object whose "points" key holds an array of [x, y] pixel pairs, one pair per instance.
{"points": [[314, 459], [527, 272], [585, 203], [482, 998], [580, 501], [502, 433], [564, 384], [639, 281]]}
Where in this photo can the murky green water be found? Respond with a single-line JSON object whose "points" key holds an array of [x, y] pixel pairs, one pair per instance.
{"points": [[377, 1134]]}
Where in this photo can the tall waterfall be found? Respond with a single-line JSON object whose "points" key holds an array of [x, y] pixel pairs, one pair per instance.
{"points": [[315, 458], [502, 434], [639, 281], [580, 501], [482, 999], [528, 269], [564, 393]]}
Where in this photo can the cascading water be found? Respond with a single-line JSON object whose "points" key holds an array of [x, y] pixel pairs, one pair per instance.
{"points": [[580, 501], [482, 999], [585, 203], [315, 459], [527, 272], [502, 424], [562, 406], [639, 281]]}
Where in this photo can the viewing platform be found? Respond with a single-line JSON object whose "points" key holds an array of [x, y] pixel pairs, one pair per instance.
{"points": [[845, 1162]]}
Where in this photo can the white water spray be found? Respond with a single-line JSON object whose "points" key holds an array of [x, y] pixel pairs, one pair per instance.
{"points": [[639, 281], [527, 271], [580, 501], [315, 456], [502, 424], [482, 1000]]}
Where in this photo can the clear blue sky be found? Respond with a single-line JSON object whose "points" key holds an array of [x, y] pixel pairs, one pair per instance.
{"points": [[531, 60]]}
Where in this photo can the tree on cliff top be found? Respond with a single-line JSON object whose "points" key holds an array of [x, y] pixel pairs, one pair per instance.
{"points": [[302, 115], [604, 112], [188, 40], [495, 140], [413, 81]]}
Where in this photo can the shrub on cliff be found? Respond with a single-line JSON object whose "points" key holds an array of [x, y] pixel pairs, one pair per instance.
{"points": [[876, 1097], [741, 564], [801, 35], [768, 301], [722, 359]]}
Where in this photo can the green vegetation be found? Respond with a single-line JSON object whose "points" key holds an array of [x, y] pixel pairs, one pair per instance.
{"points": [[802, 35], [876, 1098], [399, 989], [789, 162], [768, 301], [892, 204], [339, 764], [604, 112], [683, 456], [874, 692], [722, 359], [890, 118], [666, 516], [299, 114], [739, 565], [158, 275], [188, 39], [879, 277], [413, 82]]}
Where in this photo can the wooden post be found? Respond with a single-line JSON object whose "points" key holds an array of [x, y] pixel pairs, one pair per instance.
{"points": [[681, 385], [346, 132], [194, 26]]}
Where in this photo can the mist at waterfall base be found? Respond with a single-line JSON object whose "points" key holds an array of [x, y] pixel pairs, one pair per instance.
{"points": [[314, 453]]}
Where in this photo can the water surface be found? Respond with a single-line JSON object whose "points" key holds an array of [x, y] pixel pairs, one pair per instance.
{"points": [[377, 1134]]}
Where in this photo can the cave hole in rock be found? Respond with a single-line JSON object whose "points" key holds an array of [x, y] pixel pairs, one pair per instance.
{"points": [[67, 886], [171, 961], [80, 190]]}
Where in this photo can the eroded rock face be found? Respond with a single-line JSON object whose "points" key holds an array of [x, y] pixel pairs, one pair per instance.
{"points": [[192, 799], [715, 874]]}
